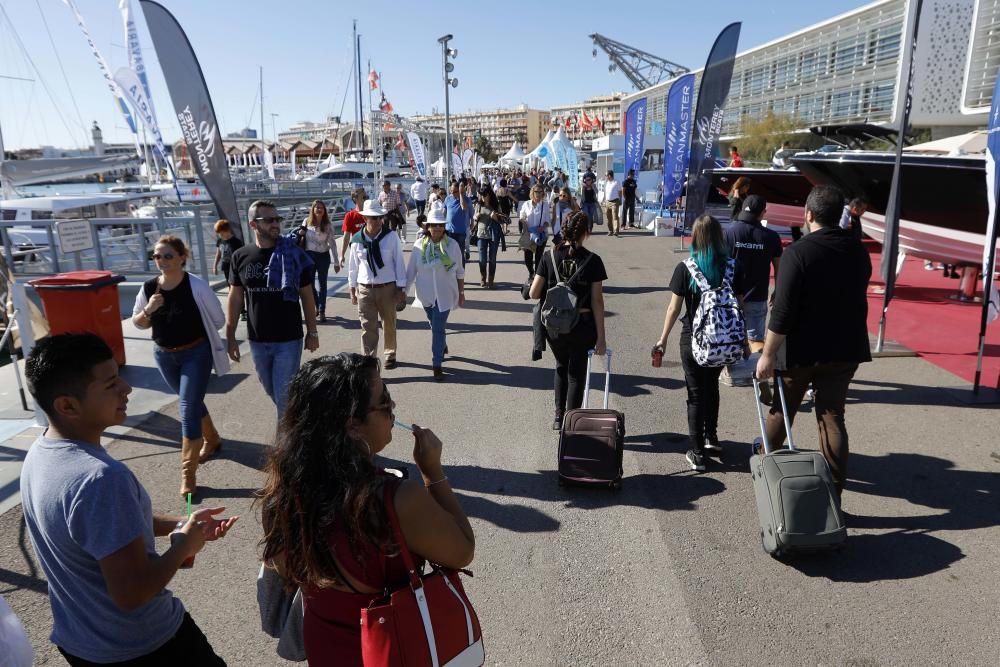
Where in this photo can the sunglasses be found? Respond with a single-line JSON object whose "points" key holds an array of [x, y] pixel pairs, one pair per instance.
{"points": [[386, 404], [167, 256], [269, 220]]}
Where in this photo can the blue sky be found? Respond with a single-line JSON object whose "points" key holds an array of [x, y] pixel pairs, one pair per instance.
{"points": [[510, 52]]}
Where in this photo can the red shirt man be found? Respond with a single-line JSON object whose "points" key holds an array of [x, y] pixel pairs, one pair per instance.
{"points": [[353, 222], [734, 157]]}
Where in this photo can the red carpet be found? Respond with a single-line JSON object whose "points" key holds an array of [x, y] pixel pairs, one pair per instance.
{"points": [[924, 319]]}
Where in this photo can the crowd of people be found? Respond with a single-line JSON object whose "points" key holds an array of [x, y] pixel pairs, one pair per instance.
{"points": [[327, 509]]}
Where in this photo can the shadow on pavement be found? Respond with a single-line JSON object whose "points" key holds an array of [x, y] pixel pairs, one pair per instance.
{"points": [[528, 377], [642, 289], [867, 558], [656, 443], [505, 306], [30, 579], [969, 498], [896, 393]]}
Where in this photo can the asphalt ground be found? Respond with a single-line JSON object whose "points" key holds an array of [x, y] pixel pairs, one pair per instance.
{"points": [[670, 570]]}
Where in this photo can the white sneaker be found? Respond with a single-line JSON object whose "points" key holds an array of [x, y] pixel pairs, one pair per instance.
{"points": [[695, 460], [810, 394]]}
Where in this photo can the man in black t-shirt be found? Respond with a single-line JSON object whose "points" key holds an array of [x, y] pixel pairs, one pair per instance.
{"points": [[274, 322], [756, 250], [820, 315], [629, 186]]}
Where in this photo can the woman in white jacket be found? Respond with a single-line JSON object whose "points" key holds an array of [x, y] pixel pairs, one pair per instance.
{"points": [[436, 268], [185, 316]]}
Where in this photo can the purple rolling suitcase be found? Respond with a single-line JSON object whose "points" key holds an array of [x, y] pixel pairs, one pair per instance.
{"points": [[592, 441]]}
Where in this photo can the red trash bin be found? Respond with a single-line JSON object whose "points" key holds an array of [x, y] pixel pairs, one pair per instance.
{"points": [[84, 302]]}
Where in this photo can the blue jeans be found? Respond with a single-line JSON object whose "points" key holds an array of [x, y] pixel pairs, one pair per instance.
{"points": [[488, 252], [590, 208], [437, 320], [460, 239], [755, 314], [186, 373], [322, 262], [276, 364]]}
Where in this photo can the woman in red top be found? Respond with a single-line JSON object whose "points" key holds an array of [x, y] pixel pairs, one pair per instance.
{"points": [[325, 526]]}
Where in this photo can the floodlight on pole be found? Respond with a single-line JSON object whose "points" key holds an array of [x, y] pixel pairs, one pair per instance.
{"points": [[446, 69]]}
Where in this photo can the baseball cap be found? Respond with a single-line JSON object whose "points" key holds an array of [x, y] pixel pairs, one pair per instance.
{"points": [[753, 207]]}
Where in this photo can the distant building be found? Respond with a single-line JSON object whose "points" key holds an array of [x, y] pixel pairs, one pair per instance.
{"points": [[245, 133], [847, 70], [502, 127], [603, 112]]}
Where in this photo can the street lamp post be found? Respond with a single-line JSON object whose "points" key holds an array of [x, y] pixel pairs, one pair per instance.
{"points": [[446, 69]]}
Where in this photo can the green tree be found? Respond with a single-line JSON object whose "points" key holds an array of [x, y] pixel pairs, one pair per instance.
{"points": [[761, 137], [485, 149]]}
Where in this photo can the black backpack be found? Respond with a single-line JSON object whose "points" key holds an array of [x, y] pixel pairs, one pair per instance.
{"points": [[559, 311]]}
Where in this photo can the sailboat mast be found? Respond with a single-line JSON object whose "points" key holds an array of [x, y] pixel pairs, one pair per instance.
{"points": [[261, 95], [360, 105]]}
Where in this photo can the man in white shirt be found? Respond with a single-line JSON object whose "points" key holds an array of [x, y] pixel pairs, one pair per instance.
{"points": [[612, 202], [419, 193], [376, 275]]}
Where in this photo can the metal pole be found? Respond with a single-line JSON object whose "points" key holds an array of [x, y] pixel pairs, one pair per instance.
{"points": [[447, 110], [22, 312], [361, 108], [9, 339]]}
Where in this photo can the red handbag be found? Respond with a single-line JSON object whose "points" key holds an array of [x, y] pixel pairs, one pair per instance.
{"points": [[427, 623]]}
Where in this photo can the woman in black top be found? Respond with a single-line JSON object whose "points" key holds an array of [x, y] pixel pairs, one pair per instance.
{"points": [[184, 315], [709, 251], [570, 349]]}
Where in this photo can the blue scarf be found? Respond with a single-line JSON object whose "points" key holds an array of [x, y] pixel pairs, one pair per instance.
{"points": [[286, 265]]}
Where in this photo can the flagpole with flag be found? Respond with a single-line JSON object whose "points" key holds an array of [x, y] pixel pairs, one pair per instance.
{"points": [[904, 99], [991, 298]]}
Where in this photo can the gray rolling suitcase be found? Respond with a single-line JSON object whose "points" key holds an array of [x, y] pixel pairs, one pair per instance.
{"points": [[796, 499]]}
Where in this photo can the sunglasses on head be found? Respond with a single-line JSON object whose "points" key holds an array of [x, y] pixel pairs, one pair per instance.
{"points": [[167, 256]]}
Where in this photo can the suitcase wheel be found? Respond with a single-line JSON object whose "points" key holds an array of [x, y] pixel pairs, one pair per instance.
{"points": [[616, 486]]}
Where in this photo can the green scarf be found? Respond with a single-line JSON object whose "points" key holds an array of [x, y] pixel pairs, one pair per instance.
{"points": [[442, 252]]}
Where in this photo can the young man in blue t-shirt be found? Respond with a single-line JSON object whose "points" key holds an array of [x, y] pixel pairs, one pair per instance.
{"points": [[92, 524]]}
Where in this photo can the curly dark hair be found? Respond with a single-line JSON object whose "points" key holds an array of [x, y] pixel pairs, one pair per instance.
{"points": [[318, 475]]}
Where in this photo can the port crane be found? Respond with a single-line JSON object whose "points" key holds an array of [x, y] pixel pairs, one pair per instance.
{"points": [[642, 69]]}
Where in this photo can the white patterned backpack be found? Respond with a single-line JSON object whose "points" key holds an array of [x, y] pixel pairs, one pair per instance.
{"points": [[718, 330]]}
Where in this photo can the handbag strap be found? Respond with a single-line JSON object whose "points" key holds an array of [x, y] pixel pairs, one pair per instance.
{"points": [[388, 490]]}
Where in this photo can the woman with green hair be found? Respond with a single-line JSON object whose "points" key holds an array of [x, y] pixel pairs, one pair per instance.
{"points": [[710, 254], [436, 268]]}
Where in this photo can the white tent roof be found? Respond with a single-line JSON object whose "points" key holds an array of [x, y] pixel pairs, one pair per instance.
{"points": [[543, 142], [561, 137], [972, 142], [515, 153]]}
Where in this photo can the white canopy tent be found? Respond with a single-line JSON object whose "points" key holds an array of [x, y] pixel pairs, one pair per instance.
{"points": [[516, 154]]}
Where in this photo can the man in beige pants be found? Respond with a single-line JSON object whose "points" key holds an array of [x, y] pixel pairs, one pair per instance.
{"points": [[612, 203], [376, 275]]}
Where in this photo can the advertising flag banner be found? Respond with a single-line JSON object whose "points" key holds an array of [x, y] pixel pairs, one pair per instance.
{"points": [[712, 93], [417, 150], [991, 297], [456, 165], [635, 133], [193, 106], [678, 138], [106, 71]]}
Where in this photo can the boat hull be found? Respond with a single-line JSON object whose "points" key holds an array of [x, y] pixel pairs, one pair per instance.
{"points": [[944, 208]]}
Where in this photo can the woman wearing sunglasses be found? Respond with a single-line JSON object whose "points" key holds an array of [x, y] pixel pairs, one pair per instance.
{"points": [[323, 509], [436, 268], [185, 316]]}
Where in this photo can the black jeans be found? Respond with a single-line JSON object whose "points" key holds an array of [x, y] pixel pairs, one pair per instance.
{"points": [[532, 258], [570, 351], [421, 205], [628, 215], [702, 398], [188, 647]]}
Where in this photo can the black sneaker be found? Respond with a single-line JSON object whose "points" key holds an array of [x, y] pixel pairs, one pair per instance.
{"points": [[712, 446], [695, 460], [557, 422], [764, 394]]}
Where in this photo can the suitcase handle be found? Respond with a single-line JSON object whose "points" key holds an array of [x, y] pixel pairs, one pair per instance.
{"points": [[607, 378], [784, 411]]}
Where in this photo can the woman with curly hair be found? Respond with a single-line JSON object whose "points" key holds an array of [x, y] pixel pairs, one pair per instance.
{"points": [[326, 527], [569, 261]]}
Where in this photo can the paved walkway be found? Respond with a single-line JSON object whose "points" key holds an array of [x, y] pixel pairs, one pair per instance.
{"points": [[667, 572]]}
